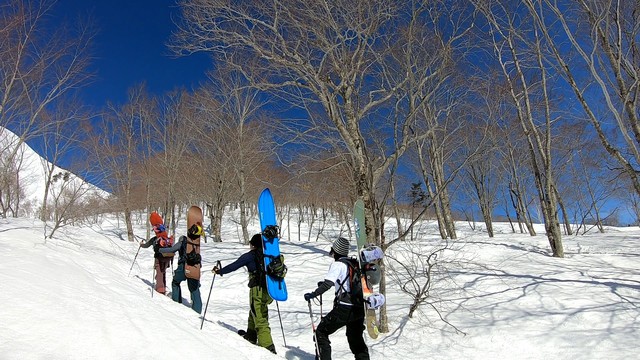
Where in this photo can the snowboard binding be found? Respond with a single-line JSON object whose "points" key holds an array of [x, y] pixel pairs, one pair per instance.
{"points": [[271, 231]]}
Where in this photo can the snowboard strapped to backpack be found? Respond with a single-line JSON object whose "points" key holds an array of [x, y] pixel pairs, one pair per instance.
{"points": [[355, 294], [276, 269], [192, 248], [276, 287]]}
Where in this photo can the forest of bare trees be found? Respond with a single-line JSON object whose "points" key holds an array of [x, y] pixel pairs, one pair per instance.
{"points": [[471, 110]]}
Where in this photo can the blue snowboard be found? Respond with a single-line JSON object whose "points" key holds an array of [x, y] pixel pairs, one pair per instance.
{"points": [[267, 209]]}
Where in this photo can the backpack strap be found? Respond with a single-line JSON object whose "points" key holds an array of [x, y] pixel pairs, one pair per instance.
{"points": [[194, 245], [260, 275], [258, 259], [348, 278]]}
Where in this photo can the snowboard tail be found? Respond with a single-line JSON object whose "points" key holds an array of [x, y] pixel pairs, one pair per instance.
{"points": [[276, 287], [194, 216]]}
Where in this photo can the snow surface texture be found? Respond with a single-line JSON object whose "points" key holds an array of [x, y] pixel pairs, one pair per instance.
{"points": [[70, 298]]}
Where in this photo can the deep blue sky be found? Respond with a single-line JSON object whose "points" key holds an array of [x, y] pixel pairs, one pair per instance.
{"points": [[130, 48]]}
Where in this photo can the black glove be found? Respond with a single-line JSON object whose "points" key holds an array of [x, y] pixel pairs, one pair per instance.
{"points": [[309, 296]]}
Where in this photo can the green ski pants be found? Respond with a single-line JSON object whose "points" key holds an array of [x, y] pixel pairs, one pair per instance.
{"points": [[259, 300]]}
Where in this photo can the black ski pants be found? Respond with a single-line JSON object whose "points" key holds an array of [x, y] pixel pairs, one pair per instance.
{"points": [[342, 315]]}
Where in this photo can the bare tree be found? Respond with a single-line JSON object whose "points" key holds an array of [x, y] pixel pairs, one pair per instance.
{"points": [[482, 172], [60, 139], [517, 183], [235, 134], [38, 64], [318, 56], [69, 198], [176, 133], [119, 149], [12, 165], [520, 52], [603, 39]]}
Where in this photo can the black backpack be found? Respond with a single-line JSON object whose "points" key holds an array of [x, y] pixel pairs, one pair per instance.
{"points": [[354, 296], [258, 278], [192, 258], [276, 268]]}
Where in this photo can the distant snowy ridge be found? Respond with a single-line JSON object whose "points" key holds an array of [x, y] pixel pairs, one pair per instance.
{"points": [[32, 174]]}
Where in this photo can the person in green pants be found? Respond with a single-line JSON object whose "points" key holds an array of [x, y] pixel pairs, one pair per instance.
{"points": [[258, 329]]}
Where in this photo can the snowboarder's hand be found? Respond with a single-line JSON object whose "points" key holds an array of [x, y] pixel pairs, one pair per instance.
{"points": [[309, 296]]}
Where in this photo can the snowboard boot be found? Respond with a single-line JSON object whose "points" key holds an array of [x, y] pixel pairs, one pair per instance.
{"points": [[251, 336]]}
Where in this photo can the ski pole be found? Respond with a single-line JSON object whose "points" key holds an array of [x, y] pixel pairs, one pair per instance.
{"points": [[134, 259], [281, 328], [320, 306], [153, 282], [219, 266], [313, 327]]}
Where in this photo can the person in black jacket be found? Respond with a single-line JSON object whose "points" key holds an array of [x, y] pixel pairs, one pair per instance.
{"points": [[258, 329], [194, 232], [344, 313]]}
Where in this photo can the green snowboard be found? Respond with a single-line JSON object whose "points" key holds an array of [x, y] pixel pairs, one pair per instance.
{"points": [[371, 319]]}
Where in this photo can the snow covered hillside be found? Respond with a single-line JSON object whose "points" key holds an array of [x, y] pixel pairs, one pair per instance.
{"points": [[71, 298], [32, 172]]}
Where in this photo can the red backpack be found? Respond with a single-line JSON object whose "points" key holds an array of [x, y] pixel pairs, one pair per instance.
{"points": [[163, 240]]}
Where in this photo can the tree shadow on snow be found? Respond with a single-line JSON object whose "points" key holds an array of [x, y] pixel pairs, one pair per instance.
{"points": [[16, 228], [623, 292], [518, 247], [309, 248]]}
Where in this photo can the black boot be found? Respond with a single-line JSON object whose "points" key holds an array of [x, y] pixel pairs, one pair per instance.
{"points": [[251, 336], [272, 348]]}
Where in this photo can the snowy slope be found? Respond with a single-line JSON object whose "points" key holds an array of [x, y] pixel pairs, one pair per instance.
{"points": [[32, 173], [71, 298]]}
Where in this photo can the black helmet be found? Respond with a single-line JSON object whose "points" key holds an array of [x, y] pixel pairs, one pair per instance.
{"points": [[256, 241]]}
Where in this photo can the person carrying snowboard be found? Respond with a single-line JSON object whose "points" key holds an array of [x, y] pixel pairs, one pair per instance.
{"points": [[344, 312], [161, 263], [194, 232], [258, 329]]}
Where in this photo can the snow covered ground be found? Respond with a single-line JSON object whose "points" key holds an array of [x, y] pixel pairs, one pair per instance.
{"points": [[71, 298]]}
